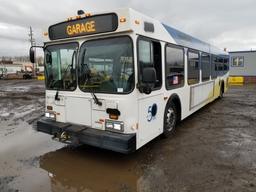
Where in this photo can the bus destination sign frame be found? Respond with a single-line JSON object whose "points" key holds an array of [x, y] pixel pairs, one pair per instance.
{"points": [[85, 26]]}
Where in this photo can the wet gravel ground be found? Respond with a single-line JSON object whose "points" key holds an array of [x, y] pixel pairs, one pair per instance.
{"points": [[213, 150]]}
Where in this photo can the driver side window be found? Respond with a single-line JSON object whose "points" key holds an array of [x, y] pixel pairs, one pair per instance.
{"points": [[149, 54]]}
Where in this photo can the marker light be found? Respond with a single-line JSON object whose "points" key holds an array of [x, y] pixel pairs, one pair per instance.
{"points": [[137, 22], [135, 126], [88, 14], [101, 120], [70, 18], [45, 34], [122, 19]]}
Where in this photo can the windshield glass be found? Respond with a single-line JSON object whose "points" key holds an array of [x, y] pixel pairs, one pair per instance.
{"points": [[107, 66], [60, 63]]}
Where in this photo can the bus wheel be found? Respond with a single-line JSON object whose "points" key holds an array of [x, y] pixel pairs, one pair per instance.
{"points": [[170, 119]]}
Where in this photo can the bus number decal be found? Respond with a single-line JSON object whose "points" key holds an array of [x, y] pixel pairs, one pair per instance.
{"points": [[152, 111]]}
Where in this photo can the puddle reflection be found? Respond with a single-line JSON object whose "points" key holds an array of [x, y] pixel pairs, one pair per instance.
{"points": [[91, 169]]}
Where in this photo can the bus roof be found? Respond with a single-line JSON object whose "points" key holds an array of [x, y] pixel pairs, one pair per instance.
{"points": [[131, 20]]}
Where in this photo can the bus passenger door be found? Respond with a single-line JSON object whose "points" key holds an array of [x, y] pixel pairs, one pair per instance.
{"points": [[151, 106]]}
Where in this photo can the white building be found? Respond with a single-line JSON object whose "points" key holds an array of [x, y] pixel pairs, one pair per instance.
{"points": [[243, 63]]}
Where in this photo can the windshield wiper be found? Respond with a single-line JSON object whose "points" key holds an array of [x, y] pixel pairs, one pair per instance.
{"points": [[57, 96], [96, 100], [88, 75], [71, 67]]}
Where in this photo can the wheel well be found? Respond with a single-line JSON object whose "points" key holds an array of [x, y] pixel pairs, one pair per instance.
{"points": [[222, 86], [176, 101]]}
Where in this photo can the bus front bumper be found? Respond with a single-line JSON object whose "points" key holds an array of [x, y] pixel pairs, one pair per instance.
{"points": [[122, 143]]}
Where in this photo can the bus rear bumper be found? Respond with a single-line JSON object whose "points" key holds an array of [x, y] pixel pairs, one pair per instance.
{"points": [[122, 143]]}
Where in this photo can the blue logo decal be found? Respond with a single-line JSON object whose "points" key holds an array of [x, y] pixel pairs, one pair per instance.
{"points": [[152, 111]]}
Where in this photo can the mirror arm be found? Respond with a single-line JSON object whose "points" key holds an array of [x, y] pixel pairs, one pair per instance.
{"points": [[36, 46], [140, 86], [144, 88], [147, 89]]}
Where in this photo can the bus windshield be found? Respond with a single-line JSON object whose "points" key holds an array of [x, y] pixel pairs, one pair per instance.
{"points": [[106, 66], [60, 64]]}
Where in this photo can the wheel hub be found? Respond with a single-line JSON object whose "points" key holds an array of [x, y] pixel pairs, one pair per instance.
{"points": [[171, 118]]}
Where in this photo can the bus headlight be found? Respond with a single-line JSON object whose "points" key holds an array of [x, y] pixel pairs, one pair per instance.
{"points": [[50, 115], [114, 125]]}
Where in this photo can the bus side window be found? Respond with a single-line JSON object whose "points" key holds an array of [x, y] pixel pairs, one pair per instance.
{"points": [[174, 67], [150, 56], [193, 67], [226, 64], [206, 67], [214, 66], [221, 63]]}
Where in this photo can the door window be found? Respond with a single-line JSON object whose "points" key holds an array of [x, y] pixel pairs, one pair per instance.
{"points": [[149, 54]]}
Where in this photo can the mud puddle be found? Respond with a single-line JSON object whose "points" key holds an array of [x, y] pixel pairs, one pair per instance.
{"points": [[213, 150], [29, 166], [91, 169]]}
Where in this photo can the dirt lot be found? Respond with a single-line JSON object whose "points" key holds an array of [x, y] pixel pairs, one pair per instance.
{"points": [[213, 150]]}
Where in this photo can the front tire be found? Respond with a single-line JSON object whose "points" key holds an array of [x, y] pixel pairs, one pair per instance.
{"points": [[170, 119]]}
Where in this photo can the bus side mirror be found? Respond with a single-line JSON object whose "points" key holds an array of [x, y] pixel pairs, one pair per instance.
{"points": [[148, 80], [32, 55], [149, 75]]}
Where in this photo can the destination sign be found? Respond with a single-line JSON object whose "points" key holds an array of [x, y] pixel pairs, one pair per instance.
{"points": [[85, 26]]}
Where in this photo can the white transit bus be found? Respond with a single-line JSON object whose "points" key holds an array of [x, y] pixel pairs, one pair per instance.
{"points": [[117, 80]]}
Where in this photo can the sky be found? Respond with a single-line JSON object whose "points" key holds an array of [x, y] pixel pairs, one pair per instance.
{"points": [[224, 23]]}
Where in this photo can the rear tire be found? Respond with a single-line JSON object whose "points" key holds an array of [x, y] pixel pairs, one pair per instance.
{"points": [[170, 119]]}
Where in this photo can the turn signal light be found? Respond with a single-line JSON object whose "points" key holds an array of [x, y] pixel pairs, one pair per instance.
{"points": [[69, 19], [112, 116], [122, 19], [137, 22], [88, 14], [49, 108]]}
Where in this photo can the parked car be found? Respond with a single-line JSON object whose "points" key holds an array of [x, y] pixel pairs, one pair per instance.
{"points": [[27, 75]]}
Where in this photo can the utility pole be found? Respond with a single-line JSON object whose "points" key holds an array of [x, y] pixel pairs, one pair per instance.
{"points": [[32, 42]]}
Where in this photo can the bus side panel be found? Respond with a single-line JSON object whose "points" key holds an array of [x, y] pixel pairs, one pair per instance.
{"points": [[216, 88], [193, 98], [202, 93], [151, 110]]}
